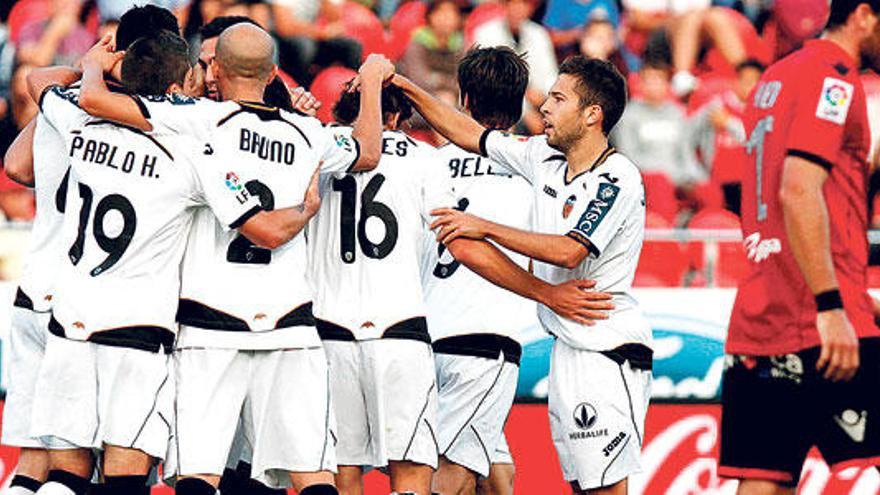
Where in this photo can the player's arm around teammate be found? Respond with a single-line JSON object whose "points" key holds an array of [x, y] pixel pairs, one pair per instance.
{"points": [[19, 160]]}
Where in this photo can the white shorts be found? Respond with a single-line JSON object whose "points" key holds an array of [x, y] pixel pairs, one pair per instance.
{"points": [[280, 399], [475, 395], [386, 401], [27, 342], [597, 415], [88, 395]]}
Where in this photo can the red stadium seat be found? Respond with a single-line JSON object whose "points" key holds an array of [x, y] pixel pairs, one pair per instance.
{"points": [[726, 266], [363, 25], [409, 17], [663, 263], [327, 87], [26, 11], [874, 277], [755, 46], [482, 14], [660, 195]]}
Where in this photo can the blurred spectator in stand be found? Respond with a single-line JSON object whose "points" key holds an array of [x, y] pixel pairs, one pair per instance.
{"points": [[568, 19], [654, 134], [600, 41], [59, 40], [435, 49], [685, 25], [720, 135], [8, 130], [517, 31], [202, 12], [304, 42]]}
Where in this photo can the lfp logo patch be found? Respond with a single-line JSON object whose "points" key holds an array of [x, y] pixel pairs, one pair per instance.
{"points": [[232, 182], [835, 100]]}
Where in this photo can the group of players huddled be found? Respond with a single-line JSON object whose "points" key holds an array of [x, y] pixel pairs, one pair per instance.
{"points": [[219, 282]]}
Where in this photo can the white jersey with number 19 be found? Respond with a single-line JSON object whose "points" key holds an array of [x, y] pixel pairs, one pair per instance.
{"points": [[127, 217]]}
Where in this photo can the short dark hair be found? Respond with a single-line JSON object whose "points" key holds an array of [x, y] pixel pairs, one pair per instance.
{"points": [[841, 10], [138, 22], [751, 63], [493, 83], [346, 110], [216, 27], [153, 63], [276, 94], [599, 83]]}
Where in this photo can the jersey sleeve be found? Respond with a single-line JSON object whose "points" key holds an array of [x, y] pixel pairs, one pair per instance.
{"points": [[606, 213], [177, 114], [517, 155], [221, 189], [337, 148], [437, 190], [821, 109], [60, 107]]}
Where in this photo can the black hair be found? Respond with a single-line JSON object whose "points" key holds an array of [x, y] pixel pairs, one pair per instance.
{"points": [[493, 83], [394, 102], [751, 63], [841, 10], [153, 63], [138, 22], [214, 28], [276, 94], [599, 83]]}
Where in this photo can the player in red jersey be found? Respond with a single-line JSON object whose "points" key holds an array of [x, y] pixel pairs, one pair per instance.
{"points": [[803, 323]]}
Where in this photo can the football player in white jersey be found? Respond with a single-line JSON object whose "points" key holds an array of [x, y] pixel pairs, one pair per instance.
{"points": [[280, 152], [475, 324], [365, 247], [38, 156], [589, 218], [105, 381]]}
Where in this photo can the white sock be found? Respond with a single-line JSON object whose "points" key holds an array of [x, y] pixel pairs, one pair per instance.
{"points": [[54, 488], [18, 490]]}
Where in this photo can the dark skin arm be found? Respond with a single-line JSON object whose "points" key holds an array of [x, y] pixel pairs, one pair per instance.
{"points": [[573, 299], [19, 159]]}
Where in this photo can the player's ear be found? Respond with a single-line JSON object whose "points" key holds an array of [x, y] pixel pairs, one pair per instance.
{"points": [[593, 114]]}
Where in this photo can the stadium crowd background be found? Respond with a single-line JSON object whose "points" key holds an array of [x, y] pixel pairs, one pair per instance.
{"points": [[690, 65]]}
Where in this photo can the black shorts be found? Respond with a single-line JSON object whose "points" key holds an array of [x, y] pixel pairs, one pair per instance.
{"points": [[774, 409]]}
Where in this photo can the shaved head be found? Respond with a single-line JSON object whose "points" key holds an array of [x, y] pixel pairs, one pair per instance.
{"points": [[246, 51]]}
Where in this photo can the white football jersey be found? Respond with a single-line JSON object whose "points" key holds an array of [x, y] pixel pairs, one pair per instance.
{"points": [[228, 283], [604, 209], [366, 244], [50, 189], [127, 217], [460, 302]]}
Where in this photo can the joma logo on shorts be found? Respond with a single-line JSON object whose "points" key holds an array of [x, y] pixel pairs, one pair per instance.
{"points": [[613, 444]]}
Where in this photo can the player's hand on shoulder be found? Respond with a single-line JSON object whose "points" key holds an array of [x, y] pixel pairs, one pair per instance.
{"points": [[839, 356], [304, 101], [452, 224], [102, 55], [577, 301]]}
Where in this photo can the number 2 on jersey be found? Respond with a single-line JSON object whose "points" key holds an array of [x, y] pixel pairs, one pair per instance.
{"points": [[347, 186], [114, 246], [446, 270], [241, 250]]}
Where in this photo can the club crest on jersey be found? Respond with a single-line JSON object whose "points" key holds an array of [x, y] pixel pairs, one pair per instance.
{"points": [[606, 195], [521, 139], [233, 182], [343, 142], [568, 206], [835, 100]]}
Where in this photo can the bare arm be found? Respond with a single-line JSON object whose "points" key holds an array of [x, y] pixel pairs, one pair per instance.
{"points": [[557, 250], [455, 126], [271, 229], [368, 126], [97, 100], [40, 79], [19, 159], [572, 299], [806, 222]]}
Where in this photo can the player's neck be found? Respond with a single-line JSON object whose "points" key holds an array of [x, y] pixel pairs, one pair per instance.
{"points": [[243, 92], [846, 42], [585, 152]]}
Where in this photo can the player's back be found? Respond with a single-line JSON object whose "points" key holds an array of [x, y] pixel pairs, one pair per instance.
{"points": [[126, 219], [810, 105], [228, 283], [460, 301], [367, 238]]}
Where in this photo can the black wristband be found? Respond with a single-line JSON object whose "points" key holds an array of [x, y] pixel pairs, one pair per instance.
{"points": [[828, 300]]}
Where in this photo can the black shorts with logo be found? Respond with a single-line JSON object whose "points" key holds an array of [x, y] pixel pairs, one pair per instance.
{"points": [[774, 409]]}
